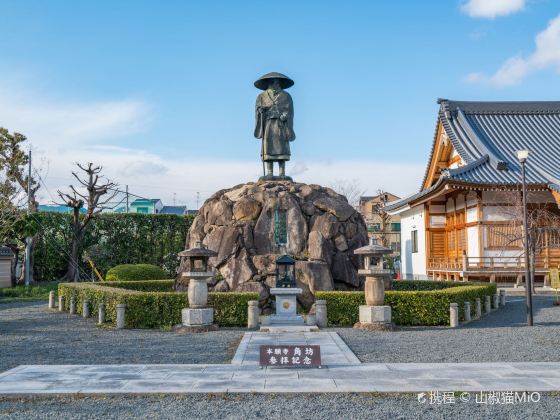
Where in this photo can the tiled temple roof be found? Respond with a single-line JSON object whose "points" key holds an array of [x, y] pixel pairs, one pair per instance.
{"points": [[486, 136]]}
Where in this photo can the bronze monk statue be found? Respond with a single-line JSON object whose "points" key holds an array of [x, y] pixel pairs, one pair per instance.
{"points": [[275, 122]]}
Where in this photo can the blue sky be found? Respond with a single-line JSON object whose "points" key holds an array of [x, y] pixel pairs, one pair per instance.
{"points": [[162, 93]]}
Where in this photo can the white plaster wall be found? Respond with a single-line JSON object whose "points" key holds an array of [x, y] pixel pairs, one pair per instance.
{"points": [[437, 221], [472, 241], [497, 214], [413, 265], [472, 215]]}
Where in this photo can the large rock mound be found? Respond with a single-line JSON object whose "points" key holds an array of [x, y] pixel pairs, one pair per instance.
{"points": [[239, 223]]}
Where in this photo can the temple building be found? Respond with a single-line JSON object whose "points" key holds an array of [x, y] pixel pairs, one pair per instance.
{"points": [[465, 223]]}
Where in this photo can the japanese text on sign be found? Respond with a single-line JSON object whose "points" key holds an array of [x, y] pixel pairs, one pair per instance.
{"points": [[290, 356]]}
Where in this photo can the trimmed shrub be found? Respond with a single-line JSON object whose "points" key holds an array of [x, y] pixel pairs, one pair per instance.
{"points": [[154, 309], [408, 307], [133, 272]]}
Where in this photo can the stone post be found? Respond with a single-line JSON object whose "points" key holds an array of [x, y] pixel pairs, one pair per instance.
{"points": [[85, 308], [487, 305], [120, 316], [311, 320], [502, 297], [467, 311], [321, 313], [101, 313], [253, 314], [478, 308], [61, 304], [453, 315], [72, 305], [51, 299], [496, 301]]}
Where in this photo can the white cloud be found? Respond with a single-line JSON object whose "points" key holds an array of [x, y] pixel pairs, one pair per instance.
{"points": [[492, 8], [63, 133], [48, 123], [515, 69], [187, 177]]}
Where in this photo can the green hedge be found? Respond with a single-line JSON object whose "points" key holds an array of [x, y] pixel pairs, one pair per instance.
{"points": [[142, 285], [418, 285], [134, 272], [408, 307], [151, 309], [111, 239]]}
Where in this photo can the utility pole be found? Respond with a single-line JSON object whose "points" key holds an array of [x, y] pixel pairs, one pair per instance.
{"points": [[28, 239], [174, 197], [197, 199], [127, 198], [522, 156]]}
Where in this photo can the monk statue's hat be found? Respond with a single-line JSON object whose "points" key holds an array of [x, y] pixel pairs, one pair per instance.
{"points": [[263, 81]]}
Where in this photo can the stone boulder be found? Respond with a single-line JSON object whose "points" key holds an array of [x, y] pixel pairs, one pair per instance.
{"points": [[322, 230]]}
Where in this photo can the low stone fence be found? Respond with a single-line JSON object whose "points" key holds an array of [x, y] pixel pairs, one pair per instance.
{"points": [[128, 308], [473, 310], [414, 304]]}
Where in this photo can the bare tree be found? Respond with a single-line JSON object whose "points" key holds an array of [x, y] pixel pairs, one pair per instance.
{"points": [[383, 217], [351, 189], [95, 189], [543, 226]]}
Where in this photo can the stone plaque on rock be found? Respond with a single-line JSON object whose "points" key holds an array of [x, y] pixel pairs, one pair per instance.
{"points": [[291, 356]]}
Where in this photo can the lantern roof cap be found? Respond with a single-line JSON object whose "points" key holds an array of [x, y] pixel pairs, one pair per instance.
{"points": [[373, 249], [285, 259], [199, 250]]}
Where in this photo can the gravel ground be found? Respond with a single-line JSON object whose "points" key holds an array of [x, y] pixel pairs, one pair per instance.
{"points": [[238, 406], [31, 335], [499, 336]]}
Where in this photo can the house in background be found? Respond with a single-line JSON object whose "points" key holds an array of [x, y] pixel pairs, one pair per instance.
{"points": [[383, 227], [140, 205], [457, 226], [146, 206], [178, 210], [57, 208]]}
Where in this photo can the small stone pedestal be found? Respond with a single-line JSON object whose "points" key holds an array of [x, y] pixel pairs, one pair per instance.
{"points": [[374, 318], [199, 317], [286, 306], [286, 318]]}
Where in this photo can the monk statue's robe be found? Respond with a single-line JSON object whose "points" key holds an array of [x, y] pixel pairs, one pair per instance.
{"points": [[275, 124]]}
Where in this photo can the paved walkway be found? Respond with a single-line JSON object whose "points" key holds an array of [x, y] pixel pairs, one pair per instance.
{"points": [[334, 350], [366, 377], [341, 372]]}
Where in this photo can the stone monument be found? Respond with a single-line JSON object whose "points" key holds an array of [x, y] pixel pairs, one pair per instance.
{"points": [[274, 123], [251, 225], [198, 316], [374, 315], [286, 292]]}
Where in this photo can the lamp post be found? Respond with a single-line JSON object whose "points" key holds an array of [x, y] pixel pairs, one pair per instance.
{"points": [[522, 156]]}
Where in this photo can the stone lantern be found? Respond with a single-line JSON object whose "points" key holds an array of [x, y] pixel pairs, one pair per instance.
{"points": [[197, 273], [286, 293], [285, 272], [374, 315]]}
